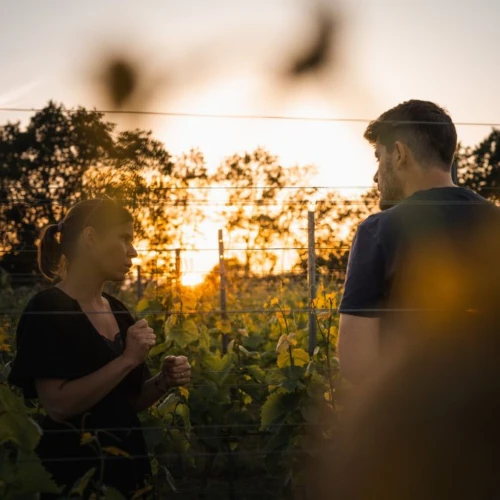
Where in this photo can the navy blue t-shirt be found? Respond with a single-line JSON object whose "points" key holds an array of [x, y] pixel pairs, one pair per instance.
{"points": [[384, 240]]}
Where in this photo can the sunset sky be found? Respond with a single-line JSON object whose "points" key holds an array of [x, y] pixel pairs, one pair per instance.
{"points": [[226, 56]]}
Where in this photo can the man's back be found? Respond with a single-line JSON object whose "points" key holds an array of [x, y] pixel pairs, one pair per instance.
{"points": [[432, 251], [426, 424]]}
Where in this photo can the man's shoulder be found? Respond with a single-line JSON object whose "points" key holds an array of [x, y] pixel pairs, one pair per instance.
{"points": [[380, 222]]}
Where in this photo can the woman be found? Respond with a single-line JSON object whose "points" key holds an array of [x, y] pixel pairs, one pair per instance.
{"points": [[80, 352]]}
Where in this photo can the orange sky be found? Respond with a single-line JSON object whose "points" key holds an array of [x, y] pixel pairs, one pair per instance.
{"points": [[222, 56]]}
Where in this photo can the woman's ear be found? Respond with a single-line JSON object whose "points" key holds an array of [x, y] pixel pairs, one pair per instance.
{"points": [[89, 236]]}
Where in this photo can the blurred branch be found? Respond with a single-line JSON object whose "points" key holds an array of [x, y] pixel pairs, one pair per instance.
{"points": [[319, 54]]}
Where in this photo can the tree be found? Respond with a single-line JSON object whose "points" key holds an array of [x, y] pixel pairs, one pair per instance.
{"points": [[264, 203], [479, 166], [41, 171], [63, 156], [336, 220]]}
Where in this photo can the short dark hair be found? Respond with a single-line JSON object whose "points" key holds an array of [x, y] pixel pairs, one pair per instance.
{"points": [[426, 128], [57, 240]]}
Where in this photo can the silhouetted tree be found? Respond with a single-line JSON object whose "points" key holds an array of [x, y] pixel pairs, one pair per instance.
{"points": [[336, 220], [63, 156], [479, 166], [42, 168], [263, 205]]}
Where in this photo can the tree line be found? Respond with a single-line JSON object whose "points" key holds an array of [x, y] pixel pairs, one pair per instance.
{"points": [[64, 155]]}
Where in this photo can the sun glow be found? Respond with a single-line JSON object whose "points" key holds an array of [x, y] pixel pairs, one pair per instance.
{"points": [[192, 279], [343, 160]]}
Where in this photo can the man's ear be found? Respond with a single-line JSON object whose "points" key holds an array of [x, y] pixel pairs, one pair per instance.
{"points": [[400, 155]]}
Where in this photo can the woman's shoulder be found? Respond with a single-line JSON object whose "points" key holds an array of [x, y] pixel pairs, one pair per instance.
{"points": [[50, 299]]}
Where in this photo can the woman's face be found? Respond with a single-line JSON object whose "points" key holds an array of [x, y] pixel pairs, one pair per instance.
{"points": [[111, 251]]}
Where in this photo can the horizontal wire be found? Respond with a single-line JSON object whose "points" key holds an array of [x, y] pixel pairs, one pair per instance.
{"points": [[233, 385], [166, 427], [242, 188], [354, 203], [162, 313], [250, 117], [102, 456], [239, 484], [187, 274], [181, 205], [213, 249], [256, 432], [204, 272], [286, 310]]}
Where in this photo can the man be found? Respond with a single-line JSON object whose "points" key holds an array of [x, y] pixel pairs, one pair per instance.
{"points": [[412, 253]]}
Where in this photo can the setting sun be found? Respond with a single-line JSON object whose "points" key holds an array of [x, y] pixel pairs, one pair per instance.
{"points": [[192, 279]]}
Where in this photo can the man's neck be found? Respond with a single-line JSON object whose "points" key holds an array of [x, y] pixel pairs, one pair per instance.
{"points": [[430, 179]]}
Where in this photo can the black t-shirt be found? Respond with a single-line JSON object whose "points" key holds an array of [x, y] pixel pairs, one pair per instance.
{"points": [[55, 339], [441, 220]]}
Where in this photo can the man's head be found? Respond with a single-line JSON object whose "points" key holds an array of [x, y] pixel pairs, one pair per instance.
{"points": [[412, 140]]}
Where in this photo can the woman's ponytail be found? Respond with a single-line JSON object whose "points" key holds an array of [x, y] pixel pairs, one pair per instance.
{"points": [[49, 252]]}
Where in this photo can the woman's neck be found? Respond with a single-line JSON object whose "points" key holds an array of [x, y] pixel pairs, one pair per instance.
{"points": [[83, 285]]}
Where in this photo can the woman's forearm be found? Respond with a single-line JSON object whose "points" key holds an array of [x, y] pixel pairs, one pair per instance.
{"points": [[152, 390], [65, 399]]}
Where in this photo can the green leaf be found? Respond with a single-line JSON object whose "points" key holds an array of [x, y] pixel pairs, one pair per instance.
{"points": [[171, 322], [300, 358], [311, 413], [113, 494], [115, 451], [19, 429], [256, 372], [81, 485], [142, 305], [183, 411], [153, 435], [218, 367], [277, 405], [27, 476], [289, 385], [178, 441], [154, 466], [253, 342], [283, 359], [243, 350], [223, 325], [189, 327], [170, 479], [279, 439], [276, 377], [159, 349], [9, 402], [168, 404], [142, 492], [310, 367], [183, 333]]}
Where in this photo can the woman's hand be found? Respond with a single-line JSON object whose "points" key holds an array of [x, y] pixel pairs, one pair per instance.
{"points": [[176, 370], [140, 339]]}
